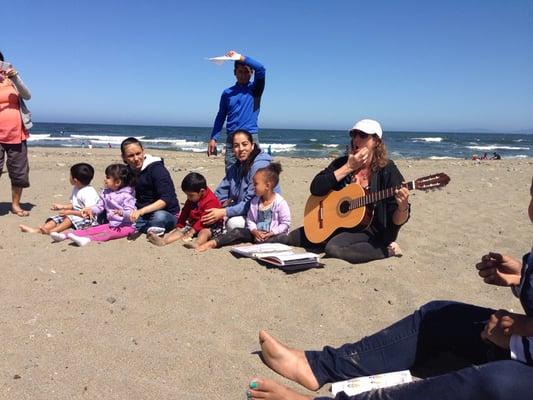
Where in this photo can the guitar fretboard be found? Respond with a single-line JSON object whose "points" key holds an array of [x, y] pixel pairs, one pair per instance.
{"points": [[377, 196]]}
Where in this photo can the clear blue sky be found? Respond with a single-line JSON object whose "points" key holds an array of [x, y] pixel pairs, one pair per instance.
{"points": [[414, 65]]}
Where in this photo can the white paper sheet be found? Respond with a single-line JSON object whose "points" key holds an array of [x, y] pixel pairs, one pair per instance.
{"points": [[220, 59]]}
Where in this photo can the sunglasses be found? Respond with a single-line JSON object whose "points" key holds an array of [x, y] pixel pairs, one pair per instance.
{"points": [[361, 134]]}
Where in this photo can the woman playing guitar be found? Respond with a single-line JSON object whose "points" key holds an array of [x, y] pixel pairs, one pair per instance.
{"points": [[368, 166]]}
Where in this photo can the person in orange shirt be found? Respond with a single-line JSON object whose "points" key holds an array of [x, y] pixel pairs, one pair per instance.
{"points": [[15, 122]]}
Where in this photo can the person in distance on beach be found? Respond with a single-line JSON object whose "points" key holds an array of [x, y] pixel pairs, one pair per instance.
{"points": [[239, 105], [494, 348], [368, 165], [15, 123]]}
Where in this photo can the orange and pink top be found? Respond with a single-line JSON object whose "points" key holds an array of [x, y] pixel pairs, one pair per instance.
{"points": [[12, 130]]}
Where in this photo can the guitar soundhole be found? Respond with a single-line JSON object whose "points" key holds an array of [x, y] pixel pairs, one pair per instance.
{"points": [[344, 207]]}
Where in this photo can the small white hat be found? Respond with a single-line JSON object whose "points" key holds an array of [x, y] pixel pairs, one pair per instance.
{"points": [[368, 126]]}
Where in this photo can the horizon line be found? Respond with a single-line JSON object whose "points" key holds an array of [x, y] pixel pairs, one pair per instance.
{"points": [[476, 130]]}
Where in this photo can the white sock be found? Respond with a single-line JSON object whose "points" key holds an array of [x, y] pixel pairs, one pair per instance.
{"points": [[79, 240], [58, 237]]}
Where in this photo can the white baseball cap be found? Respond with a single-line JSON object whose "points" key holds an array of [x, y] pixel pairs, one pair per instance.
{"points": [[368, 126]]}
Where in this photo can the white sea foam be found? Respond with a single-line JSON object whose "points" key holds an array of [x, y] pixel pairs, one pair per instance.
{"points": [[104, 138], [43, 138], [38, 136], [330, 145], [313, 140], [496, 147], [195, 149], [427, 139], [443, 158], [520, 156], [278, 146]]}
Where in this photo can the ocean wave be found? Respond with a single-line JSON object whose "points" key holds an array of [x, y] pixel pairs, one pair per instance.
{"points": [[330, 145], [104, 138], [38, 136], [278, 146], [443, 158], [194, 149], [33, 138], [496, 147], [427, 139]]}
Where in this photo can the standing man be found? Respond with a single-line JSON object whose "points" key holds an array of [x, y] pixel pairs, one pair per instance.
{"points": [[239, 105]]}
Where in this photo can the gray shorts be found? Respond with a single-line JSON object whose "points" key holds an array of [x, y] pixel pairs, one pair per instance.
{"points": [[77, 223], [16, 162]]}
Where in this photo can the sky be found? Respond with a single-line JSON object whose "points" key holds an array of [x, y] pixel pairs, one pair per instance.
{"points": [[413, 65]]}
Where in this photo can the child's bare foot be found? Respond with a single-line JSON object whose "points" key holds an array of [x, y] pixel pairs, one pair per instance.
{"points": [[268, 389], [206, 246], [154, 238], [189, 244], [28, 229], [394, 250], [287, 362]]}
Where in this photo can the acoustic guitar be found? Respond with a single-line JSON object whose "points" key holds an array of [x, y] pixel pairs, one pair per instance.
{"points": [[352, 206]]}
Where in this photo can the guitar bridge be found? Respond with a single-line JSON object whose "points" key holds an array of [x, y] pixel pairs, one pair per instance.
{"points": [[321, 215]]}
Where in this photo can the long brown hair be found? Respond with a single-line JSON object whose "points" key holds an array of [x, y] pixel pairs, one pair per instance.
{"points": [[380, 157]]}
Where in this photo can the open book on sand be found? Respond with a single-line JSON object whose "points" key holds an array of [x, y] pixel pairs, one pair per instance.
{"points": [[353, 387], [277, 254]]}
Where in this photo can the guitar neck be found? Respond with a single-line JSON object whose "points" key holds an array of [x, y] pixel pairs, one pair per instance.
{"points": [[377, 196]]}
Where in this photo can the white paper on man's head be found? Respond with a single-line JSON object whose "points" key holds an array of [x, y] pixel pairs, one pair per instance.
{"points": [[220, 60]]}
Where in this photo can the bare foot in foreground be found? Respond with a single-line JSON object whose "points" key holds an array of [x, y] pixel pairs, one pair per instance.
{"points": [[211, 244], [271, 390], [394, 250], [155, 239], [29, 229], [287, 362]]}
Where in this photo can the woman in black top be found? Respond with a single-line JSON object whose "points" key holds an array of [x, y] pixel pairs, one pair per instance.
{"points": [[367, 165]]}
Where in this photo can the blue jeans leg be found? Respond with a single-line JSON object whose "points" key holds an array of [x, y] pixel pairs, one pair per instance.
{"points": [[435, 328], [159, 218], [498, 380]]}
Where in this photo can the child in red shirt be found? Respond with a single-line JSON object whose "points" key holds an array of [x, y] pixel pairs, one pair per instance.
{"points": [[199, 199]]}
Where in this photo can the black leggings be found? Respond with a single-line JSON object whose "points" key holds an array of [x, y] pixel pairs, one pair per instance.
{"points": [[354, 247], [240, 235]]}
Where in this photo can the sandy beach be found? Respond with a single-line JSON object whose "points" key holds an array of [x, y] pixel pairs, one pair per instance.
{"points": [[129, 320]]}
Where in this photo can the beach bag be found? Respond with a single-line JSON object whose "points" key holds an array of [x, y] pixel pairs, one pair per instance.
{"points": [[25, 114]]}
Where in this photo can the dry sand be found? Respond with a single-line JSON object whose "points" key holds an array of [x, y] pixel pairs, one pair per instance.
{"points": [[128, 320]]}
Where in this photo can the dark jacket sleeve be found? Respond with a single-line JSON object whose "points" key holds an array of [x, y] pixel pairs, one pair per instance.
{"points": [[388, 177], [325, 180], [163, 184]]}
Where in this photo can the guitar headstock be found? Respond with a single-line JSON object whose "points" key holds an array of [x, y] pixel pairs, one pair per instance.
{"points": [[434, 181]]}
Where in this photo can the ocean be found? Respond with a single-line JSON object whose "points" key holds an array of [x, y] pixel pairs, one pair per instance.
{"points": [[287, 142]]}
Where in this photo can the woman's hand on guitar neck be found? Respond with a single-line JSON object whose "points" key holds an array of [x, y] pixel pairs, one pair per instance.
{"points": [[401, 215]]}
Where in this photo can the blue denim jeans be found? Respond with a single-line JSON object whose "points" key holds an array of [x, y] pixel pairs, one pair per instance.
{"points": [[159, 218], [229, 157], [485, 372]]}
